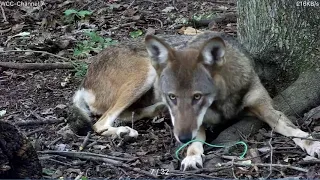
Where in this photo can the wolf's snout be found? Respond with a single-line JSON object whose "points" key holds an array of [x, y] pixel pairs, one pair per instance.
{"points": [[184, 138]]}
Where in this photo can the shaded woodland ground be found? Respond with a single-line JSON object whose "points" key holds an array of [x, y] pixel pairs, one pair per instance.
{"points": [[36, 100]]}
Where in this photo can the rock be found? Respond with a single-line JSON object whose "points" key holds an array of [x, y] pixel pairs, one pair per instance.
{"points": [[18, 159]]}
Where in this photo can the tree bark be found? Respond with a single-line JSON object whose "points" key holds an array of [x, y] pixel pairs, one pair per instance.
{"points": [[282, 37]]}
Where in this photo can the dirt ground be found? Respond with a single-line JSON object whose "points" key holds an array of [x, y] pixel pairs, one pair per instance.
{"points": [[36, 101]]}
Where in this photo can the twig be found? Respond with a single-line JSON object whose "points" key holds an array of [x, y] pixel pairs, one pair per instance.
{"points": [[174, 6], [271, 153], [3, 14], [90, 154], [179, 173], [85, 141], [33, 51], [37, 122], [35, 66], [156, 19], [81, 155], [59, 162], [92, 140], [131, 4], [132, 116], [271, 148], [215, 169], [232, 168], [92, 144], [79, 176], [266, 165], [255, 154], [222, 18], [34, 131], [54, 141], [122, 25], [2, 31], [309, 162]]}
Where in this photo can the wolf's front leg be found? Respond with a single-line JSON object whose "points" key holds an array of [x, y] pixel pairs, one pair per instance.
{"points": [[195, 156], [259, 103], [281, 124], [104, 125]]}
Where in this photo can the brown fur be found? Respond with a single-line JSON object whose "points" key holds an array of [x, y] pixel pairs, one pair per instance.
{"points": [[107, 82]]}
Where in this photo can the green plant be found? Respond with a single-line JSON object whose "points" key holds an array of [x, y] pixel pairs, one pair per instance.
{"points": [[72, 14], [198, 17], [84, 178], [135, 34], [94, 43], [80, 68]]}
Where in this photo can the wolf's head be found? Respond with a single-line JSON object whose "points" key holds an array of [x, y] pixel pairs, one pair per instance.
{"points": [[187, 81]]}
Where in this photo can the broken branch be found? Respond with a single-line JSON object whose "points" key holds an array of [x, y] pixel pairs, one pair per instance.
{"points": [[98, 157], [36, 66], [38, 122], [33, 51]]}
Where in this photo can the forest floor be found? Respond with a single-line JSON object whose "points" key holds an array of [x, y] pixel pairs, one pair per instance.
{"points": [[36, 100]]}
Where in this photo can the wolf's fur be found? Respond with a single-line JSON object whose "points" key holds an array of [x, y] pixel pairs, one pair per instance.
{"points": [[205, 80]]}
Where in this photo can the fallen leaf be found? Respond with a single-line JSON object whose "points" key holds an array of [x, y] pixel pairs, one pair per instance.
{"points": [[73, 170], [168, 9], [48, 172], [157, 120], [316, 129], [47, 111], [185, 9], [137, 162], [17, 27], [223, 8], [141, 153], [65, 81], [114, 6], [308, 158], [61, 147], [3, 112], [22, 34], [61, 106], [100, 147], [136, 18], [151, 31], [264, 149], [56, 174], [247, 162], [189, 31]]}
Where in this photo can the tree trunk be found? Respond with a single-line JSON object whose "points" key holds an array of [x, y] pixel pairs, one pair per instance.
{"points": [[283, 38]]}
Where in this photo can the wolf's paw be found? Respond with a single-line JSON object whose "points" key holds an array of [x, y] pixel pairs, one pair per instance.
{"points": [[192, 162], [310, 146], [120, 132]]}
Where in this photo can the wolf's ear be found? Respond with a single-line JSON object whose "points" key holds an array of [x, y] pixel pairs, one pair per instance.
{"points": [[157, 49], [212, 51]]}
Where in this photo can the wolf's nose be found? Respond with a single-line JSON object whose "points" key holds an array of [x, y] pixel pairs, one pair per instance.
{"points": [[184, 138]]}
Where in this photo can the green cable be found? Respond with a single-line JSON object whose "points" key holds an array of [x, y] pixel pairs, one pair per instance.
{"points": [[212, 145]]}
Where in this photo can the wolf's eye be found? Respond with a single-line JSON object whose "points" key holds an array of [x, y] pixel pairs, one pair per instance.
{"points": [[172, 96], [197, 96]]}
